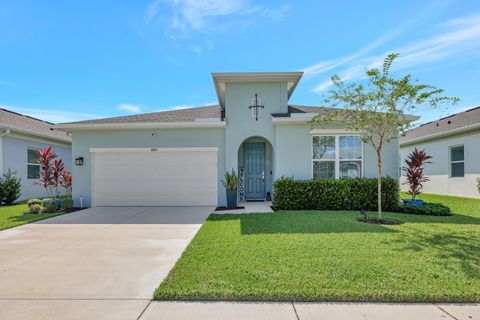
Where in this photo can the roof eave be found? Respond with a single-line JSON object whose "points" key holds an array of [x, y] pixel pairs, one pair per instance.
{"points": [[140, 125], [31, 133], [440, 134]]}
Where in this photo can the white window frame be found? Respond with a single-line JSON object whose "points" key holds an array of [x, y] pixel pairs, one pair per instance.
{"points": [[33, 164], [457, 161], [337, 159]]}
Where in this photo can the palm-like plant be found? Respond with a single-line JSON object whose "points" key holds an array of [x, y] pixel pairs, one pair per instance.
{"points": [[414, 171], [57, 175], [67, 181], [46, 179], [231, 180]]}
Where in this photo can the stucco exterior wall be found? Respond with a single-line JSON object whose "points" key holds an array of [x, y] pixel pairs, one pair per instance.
{"points": [[240, 123], [14, 156], [84, 140], [439, 171], [293, 154]]}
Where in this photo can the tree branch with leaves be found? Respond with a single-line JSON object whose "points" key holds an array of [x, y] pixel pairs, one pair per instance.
{"points": [[379, 109]]}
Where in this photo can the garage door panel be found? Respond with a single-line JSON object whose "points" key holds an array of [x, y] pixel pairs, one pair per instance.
{"points": [[173, 178]]}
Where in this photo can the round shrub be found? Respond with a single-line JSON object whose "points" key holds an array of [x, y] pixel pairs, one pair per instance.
{"points": [[34, 201], [430, 209], [67, 203], [46, 201], [35, 208], [51, 207]]}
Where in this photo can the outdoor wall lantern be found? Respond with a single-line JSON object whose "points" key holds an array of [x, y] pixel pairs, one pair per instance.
{"points": [[255, 107], [79, 161]]}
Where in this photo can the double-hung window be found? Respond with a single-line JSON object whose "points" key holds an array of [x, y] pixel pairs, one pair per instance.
{"points": [[337, 156], [457, 162], [33, 167]]}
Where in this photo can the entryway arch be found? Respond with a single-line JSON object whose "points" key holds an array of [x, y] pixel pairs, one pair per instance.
{"points": [[255, 168]]}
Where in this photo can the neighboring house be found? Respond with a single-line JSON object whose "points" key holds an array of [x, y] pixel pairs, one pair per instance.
{"points": [[177, 158], [20, 136], [454, 143]]}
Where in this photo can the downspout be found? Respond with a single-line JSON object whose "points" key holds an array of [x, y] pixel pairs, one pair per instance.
{"points": [[7, 132]]}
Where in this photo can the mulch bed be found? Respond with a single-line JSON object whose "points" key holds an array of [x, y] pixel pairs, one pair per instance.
{"points": [[380, 221], [225, 208], [72, 210]]}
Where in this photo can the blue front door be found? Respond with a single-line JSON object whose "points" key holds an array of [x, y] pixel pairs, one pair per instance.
{"points": [[254, 154]]}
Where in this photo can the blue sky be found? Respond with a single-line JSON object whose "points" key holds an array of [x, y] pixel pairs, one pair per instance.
{"points": [[73, 60]]}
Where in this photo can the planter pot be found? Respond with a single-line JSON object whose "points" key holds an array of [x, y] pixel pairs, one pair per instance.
{"points": [[417, 203], [231, 198], [58, 203]]}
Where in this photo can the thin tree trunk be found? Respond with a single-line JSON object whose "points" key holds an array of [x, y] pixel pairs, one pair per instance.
{"points": [[379, 183]]}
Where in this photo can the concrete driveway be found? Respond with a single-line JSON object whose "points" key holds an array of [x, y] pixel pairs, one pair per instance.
{"points": [[100, 263]]}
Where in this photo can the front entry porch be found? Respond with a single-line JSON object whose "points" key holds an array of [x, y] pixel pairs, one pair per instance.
{"points": [[249, 207]]}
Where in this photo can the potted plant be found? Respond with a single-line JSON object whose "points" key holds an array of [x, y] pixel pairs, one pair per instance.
{"points": [[414, 174], [231, 182]]}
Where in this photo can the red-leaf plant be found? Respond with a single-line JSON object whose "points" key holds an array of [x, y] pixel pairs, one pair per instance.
{"points": [[414, 171], [67, 181], [46, 179], [57, 174]]}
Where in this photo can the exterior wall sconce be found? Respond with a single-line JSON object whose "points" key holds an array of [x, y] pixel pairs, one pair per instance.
{"points": [[256, 107], [79, 161]]}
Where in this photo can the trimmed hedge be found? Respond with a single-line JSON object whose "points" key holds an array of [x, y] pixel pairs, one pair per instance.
{"points": [[343, 194], [429, 209]]}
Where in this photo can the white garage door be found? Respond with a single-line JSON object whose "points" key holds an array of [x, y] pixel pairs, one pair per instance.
{"points": [[155, 177]]}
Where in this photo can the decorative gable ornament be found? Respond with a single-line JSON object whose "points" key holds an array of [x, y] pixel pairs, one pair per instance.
{"points": [[255, 107]]}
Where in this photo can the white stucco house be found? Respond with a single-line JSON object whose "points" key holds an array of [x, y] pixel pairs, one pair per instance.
{"points": [[20, 136], [454, 143], [177, 158]]}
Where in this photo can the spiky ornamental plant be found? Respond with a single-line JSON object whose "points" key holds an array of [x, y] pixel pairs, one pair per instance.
{"points": [[414, 171], [379, 110], [57, 175], [46, 179], [231, 181], [67, 181]]}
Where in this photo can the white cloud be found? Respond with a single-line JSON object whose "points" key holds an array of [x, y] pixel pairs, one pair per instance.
{"points": [[324, 66], [184, 18], [51, 115], [129, 107], [459, 36]]}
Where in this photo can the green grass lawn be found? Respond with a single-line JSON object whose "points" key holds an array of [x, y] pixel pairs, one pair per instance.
{"points": [[329, 256], [13, 216]]}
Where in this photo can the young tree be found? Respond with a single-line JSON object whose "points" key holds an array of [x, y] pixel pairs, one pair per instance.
{"points": [[414, 171], [10, 187], [379, 110]]}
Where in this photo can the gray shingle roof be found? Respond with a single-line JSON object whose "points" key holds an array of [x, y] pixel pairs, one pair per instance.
{"points": [[22, 123], [185, 115], [456, 121], [182, 115]]}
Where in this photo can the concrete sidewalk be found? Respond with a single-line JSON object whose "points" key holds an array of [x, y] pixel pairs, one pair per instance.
{"points": [[308, 311]]}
